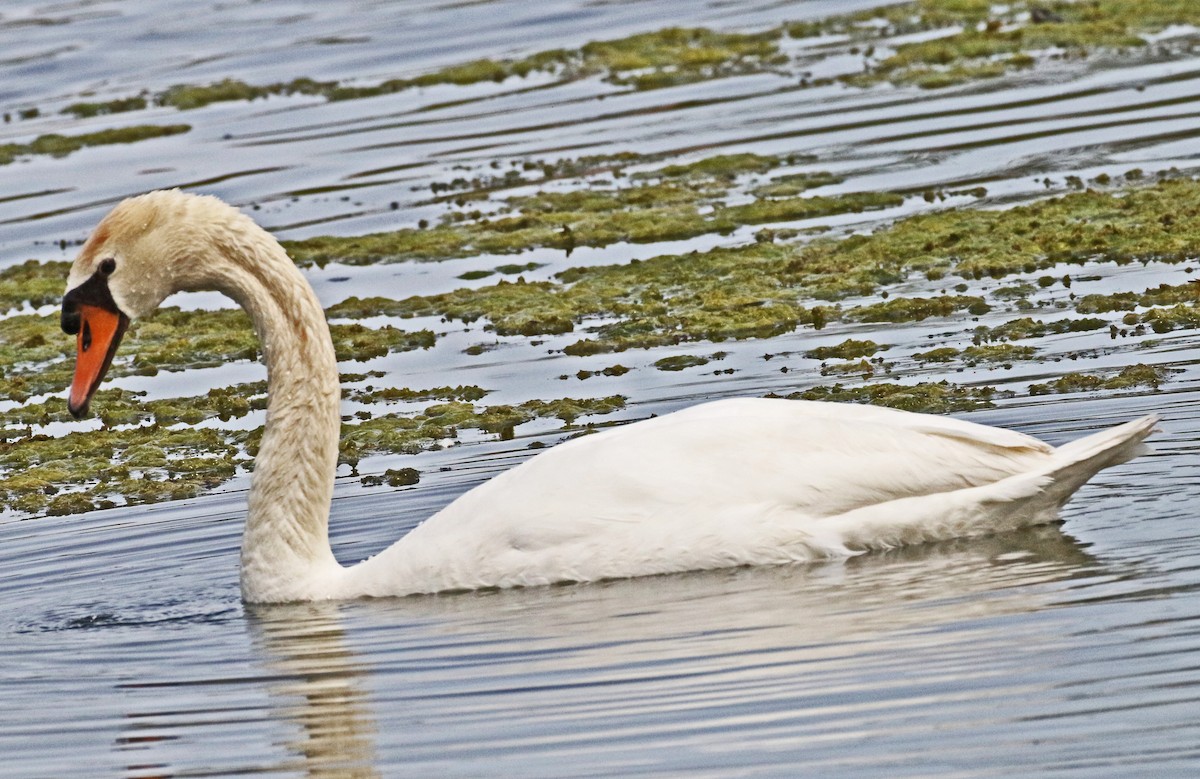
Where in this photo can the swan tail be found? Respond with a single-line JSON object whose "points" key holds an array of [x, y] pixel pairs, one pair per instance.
{"points": [[1024, 499], [1074, 463]]}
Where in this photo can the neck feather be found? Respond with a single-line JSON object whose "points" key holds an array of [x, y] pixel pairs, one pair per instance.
{"points": [[285, 548]]}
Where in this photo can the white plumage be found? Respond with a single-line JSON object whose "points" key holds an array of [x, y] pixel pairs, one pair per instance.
{"points": [[734, 482], [742, 482]]}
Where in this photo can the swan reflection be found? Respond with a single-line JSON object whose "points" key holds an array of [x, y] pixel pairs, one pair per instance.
{"points": [[317, 683]]}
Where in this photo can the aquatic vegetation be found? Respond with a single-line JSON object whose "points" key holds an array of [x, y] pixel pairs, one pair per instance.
{"points": [[612, 370], [161, 457], [787, 209], [846, 350], [176, 340], [359, 343], [992, 354], [31, 282], [915, 309], [940, 354], [610, 200], [642, 61], [678, 362], [997, 353], [149, 451], [592, 217], [1155, 223], [679, 56], [982, 40], [84, 110], [795, 183], [393, 477], [992, 39], [187, 96], [463, 190], [768, 288], [516, 268], [81, 471], [122, 407], [929, 397], [1162, 295], [650, 60], [863, 368], [34, 354], [429, 428], [1026, 327], [723, 166], [1018, 291], [57, 145], [1129, 377], [1164, 320], [403, 394]]}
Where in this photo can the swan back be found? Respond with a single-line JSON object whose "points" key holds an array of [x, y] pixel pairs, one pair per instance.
{"points": [[733, 482]]}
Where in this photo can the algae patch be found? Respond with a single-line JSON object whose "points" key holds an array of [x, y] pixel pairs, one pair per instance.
{"points": [[647, 212], [768, 288], [986, 40], [679, 362], [982, 40], [31, 282], [393, 477], [925, 397], [1129, 377], [56, 145], [429, 428], [846, 350], [988, 354], [650, 60], [149, 451]]}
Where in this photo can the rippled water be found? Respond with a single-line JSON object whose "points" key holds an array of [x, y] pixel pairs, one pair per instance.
{"points": [[127, 651]]}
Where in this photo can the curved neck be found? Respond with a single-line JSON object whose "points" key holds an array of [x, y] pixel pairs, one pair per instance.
{"points": [[285, 547]]}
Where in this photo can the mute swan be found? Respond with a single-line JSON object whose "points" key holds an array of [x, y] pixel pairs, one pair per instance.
{"points": [[727, 483]]}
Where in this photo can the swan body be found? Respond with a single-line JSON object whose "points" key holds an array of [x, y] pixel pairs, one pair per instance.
{"points": [[726, 483]]}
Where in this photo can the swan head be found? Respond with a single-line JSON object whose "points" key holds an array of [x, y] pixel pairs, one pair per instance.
{"points": [[145, 249]]}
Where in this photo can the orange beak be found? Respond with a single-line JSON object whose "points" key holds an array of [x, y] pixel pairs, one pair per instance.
{"points": [[99, 334]]}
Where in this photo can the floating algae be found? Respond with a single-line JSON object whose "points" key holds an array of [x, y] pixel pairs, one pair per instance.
{"points": [[987, 40], [142, 455], [1129, 377], [925, 397], [645, 213], [678, 362], [61, 145], [765, 289], [393, 477], [982, 40], [995, 354], [31, 282], [425, 430], [846, 350]]}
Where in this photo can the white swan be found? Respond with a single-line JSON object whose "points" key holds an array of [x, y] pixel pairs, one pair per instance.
{"points": [[734, 482]]}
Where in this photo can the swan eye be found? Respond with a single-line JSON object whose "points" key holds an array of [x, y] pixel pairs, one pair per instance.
{"points": [[107, 266]]}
